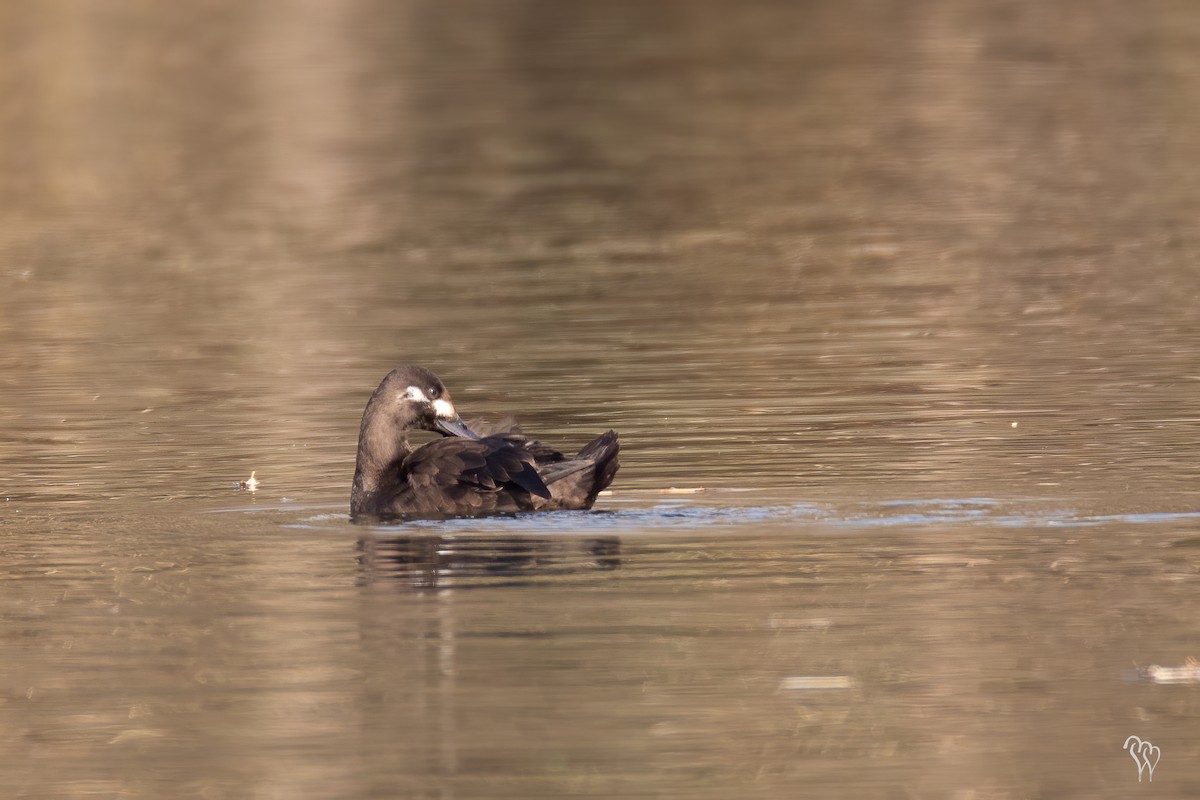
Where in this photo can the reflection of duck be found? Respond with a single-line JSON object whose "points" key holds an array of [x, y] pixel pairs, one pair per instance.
{"points": [[427, 561], [464, 473]]}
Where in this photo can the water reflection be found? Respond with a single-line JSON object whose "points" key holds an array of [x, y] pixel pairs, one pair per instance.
{"points": [[431, 561]]}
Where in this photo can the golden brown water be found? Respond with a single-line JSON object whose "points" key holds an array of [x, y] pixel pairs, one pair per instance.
{"points": [[909, 289]]}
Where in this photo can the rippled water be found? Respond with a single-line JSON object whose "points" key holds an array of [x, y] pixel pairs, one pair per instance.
{"points": [[893, 304]]}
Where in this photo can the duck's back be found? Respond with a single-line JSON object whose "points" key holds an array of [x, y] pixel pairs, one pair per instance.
{"points": [[543, 454], [574, 483], [459, 477]]}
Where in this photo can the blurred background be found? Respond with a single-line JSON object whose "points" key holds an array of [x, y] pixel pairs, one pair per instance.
{"points": [[904, 293]]}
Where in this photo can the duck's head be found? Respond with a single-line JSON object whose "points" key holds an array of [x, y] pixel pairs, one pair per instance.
{"points": [[413, 398]]}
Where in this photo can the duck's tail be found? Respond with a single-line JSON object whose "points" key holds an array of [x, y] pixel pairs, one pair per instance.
{"points": [[603, 451], [574, 483]]}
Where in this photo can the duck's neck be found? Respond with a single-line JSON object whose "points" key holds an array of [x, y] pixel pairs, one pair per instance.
{"points": [[380, 450]]}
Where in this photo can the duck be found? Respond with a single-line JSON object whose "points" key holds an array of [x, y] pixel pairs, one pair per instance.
{"points": [[497, 470]]}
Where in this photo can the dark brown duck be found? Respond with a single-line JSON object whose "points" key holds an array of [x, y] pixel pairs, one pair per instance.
{"points": [[464, 473]]}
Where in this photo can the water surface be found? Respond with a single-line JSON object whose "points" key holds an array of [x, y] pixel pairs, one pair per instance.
{"points": [[893, 304]]}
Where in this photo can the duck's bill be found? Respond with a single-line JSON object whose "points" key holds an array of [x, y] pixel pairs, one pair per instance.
{"points": [[455, 427]]}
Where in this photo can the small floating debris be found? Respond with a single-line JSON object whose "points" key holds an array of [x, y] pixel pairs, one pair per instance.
{"points": [[250, 484], [808, 682], [671, 490], [1188, 673]]}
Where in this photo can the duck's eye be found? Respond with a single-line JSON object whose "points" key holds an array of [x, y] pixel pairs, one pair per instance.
{"points": [[434, 393]]}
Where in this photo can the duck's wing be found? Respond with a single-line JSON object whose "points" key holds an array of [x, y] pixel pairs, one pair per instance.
{"points": [[457, 468], [507, 427]]}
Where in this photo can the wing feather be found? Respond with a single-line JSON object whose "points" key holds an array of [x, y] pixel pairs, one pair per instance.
{"points": [[492, 464]]}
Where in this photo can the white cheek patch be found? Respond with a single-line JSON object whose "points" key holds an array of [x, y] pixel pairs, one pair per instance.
{"points": [[444, 409], [414, 393]]}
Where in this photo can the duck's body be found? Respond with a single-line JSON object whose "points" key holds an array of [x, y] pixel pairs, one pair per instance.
{"points": [[464, 473]]}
